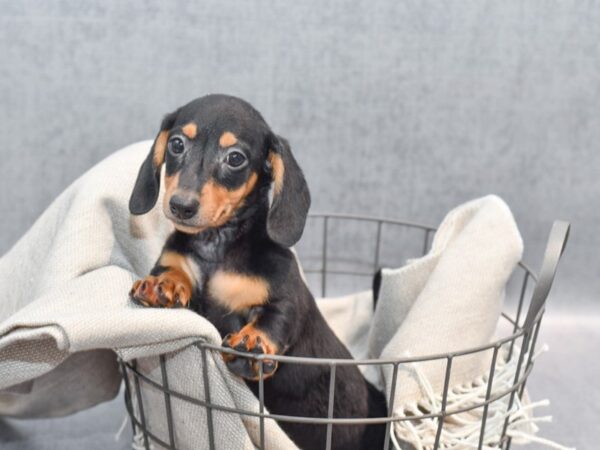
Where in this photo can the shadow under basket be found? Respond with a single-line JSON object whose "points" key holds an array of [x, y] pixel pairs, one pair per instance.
{"points": [[340, 254]]}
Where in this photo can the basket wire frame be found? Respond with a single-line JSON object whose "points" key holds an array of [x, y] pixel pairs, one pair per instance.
{"points": [[527, 333]]}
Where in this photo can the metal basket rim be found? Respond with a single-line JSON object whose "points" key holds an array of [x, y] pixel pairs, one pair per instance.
{"points": [[516, 385], [519, 331]]}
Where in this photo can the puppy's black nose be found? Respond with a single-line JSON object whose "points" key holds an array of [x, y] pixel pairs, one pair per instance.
{"points": [[183, 207]]}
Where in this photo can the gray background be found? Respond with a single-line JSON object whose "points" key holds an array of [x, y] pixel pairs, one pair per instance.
{"points": [[393, 108]]}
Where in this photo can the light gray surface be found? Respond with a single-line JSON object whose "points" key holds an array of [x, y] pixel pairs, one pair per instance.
{"points": [[395, 108], [94, 429], [568, 376]]}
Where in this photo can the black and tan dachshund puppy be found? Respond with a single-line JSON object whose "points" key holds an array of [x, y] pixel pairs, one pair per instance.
{"points": [[229, 260]]}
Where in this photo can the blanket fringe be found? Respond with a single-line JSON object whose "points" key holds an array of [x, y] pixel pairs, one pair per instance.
{"points": [[122, 428], [138, 442], [462, 430]]}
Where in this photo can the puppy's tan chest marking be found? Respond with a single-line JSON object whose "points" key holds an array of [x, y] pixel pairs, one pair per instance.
{"points": [[236, 291]]}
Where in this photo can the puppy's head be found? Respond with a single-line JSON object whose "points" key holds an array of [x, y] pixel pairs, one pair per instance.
{"points": [[217, 152]]}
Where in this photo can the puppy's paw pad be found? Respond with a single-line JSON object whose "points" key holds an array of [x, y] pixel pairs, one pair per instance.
{"points": [[248, 343]]}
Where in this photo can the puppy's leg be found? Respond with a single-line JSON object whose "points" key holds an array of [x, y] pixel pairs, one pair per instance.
{"points": [[170, 283], [266, 333]]}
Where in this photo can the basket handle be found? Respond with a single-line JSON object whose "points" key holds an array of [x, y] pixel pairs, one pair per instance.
{"points": [[554, 250]]}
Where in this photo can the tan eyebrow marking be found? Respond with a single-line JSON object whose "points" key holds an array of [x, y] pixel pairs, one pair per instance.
{"points": [[227, 139], [190, 130]]}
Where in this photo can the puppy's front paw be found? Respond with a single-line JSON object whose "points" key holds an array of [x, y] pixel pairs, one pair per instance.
{"points": [[162, 291], [249, 340]]}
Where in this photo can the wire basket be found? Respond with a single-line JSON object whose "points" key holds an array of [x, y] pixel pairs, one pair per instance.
{"points": [[337, 257]]}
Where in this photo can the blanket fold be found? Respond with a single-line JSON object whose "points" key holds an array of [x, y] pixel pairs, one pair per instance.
{"points": [[445, 302], [450, 299]]}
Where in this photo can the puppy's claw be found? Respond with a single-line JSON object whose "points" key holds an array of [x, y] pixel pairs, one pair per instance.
{"points": [[241, 347], [269, 366]]}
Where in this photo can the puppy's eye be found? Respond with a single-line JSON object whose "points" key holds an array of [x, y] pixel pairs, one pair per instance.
{"points": [[176, 145], [235, 159]]}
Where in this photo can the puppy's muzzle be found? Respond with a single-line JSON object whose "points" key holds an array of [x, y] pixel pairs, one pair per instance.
{"points": [[183, 207]]}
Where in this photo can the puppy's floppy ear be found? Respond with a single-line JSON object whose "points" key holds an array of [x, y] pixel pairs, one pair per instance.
{"points": [[145, 192], [291, 199]]}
